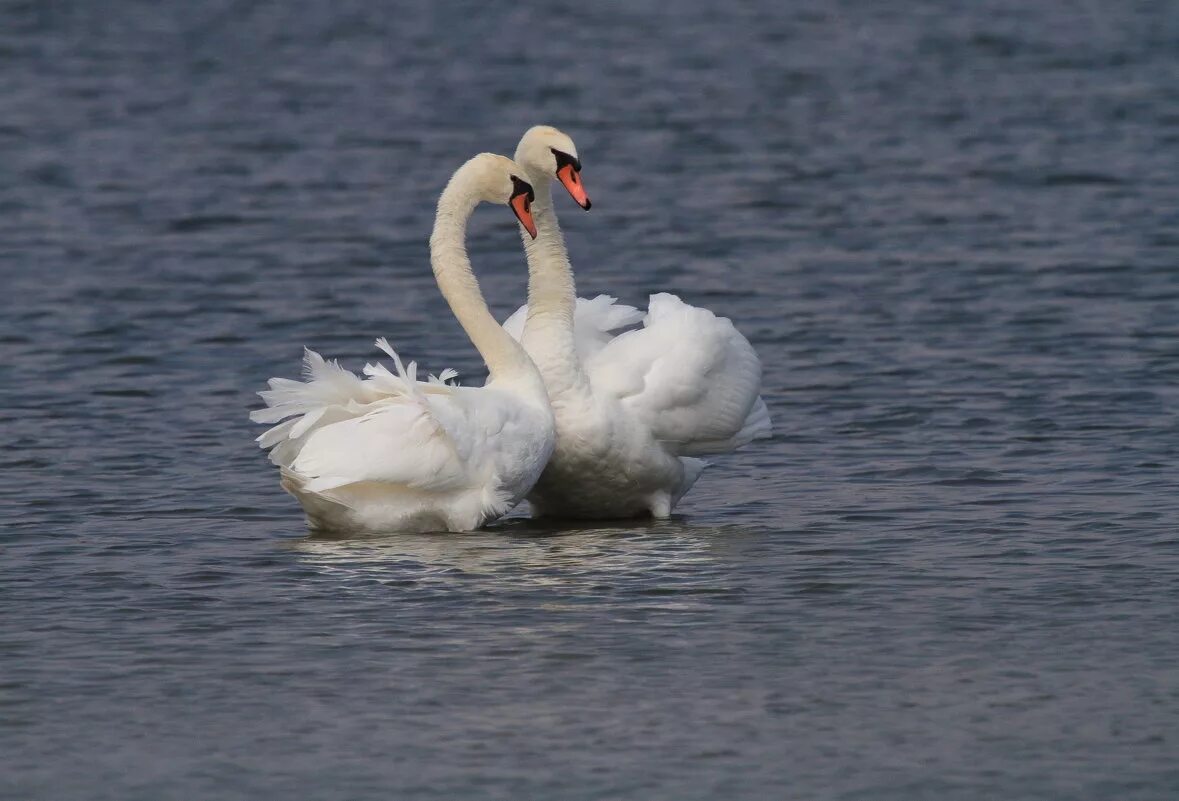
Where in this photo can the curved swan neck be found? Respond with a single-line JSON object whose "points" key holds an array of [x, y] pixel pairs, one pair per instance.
{"points": [[551, 290], [452, 271], [552, 295]]}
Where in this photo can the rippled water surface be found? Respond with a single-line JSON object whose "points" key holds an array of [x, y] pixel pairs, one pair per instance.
{"points": [[952, 234]]}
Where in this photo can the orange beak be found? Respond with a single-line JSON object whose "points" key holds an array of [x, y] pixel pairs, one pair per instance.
{"points": [[523, 208], [571, 180]]}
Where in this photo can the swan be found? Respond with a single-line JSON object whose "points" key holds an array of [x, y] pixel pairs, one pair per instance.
{"points": [[634, 411], [391, 453]]}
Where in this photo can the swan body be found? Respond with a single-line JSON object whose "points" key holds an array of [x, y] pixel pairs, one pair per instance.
{"points": [[635, 410], [388, 452]]}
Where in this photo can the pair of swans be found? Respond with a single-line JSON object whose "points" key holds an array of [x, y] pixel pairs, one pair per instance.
{"points": [[582, 422]]}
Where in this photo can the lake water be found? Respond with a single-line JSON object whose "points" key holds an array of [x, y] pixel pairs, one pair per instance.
{"points": [[952, 235]]}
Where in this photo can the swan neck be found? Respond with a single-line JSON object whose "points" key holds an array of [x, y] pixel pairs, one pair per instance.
{"points": [[552, 295], [456, 280], [551, 289]]}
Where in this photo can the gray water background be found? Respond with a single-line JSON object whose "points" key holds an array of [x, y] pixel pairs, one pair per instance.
{"points": [[950, 230]]}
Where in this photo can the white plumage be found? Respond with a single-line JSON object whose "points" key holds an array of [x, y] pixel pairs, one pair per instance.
{"points": [[688, 375], [633, 409], [594, 323], [391, 453]]}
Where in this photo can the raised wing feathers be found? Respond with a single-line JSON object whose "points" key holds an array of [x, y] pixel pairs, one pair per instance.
{"points": [[387, 428], [594, 320], [688, 375]]}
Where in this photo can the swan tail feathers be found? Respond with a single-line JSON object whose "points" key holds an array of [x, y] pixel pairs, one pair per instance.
{"points": [[325, 384], [329, 394]]}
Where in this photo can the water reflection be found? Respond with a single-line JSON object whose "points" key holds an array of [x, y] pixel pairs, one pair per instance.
{"points": [[524, 553]]}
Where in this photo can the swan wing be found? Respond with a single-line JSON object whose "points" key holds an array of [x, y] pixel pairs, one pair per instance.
{"points": [[594, 321], [688, 375], [337, 428]]}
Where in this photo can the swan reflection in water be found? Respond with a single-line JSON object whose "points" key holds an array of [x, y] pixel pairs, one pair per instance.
{"points": [[521, 554]]}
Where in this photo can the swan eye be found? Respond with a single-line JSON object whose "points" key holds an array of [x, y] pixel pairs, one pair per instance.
{"points": [[565, 160], [521, 187]]}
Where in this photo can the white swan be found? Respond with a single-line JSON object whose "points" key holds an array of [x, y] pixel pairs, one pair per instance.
{"points": [[633, 410], [391, 453]]}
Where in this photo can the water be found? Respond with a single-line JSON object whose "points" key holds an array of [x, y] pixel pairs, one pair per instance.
{"points": [[950, 233]]}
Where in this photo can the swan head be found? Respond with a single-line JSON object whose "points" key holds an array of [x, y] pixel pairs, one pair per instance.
{"points": [[498, 179], [546, 151]]}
